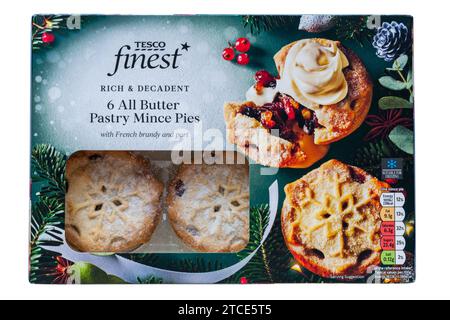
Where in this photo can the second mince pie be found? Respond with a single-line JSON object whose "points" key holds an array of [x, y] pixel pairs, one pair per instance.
{"points": [[112, 201], [208, 207], [331, 220], [322, 94]]}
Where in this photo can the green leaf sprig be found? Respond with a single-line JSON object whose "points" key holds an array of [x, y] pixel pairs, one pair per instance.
{"points": [[403, 138], [403, 83]]}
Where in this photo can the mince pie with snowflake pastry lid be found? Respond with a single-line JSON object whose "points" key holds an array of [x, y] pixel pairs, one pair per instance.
{"points": [[208, 207], [331, 220], [112, 201], [322, 94]]}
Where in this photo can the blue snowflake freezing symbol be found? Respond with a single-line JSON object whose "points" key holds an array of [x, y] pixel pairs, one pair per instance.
{"points": [[392, 164]]}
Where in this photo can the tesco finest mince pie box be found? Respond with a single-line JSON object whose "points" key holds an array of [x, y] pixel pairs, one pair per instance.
{"points": [[222, 149]]}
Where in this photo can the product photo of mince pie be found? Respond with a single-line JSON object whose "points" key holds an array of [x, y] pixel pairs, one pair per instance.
{"points": [[208, 207], [331, 220], [322, 94], [112, 201]]}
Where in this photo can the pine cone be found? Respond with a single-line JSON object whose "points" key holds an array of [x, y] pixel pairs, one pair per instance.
{"points": [[392, 39]]}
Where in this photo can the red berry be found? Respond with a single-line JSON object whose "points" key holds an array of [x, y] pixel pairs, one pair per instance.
{"points": [[228, 54], [263, 75], [243, 59], [243, 280], [48, 37], [242, 45], [266, 78]]}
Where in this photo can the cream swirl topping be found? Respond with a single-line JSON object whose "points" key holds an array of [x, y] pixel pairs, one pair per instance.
{"points": [[312, 73]]}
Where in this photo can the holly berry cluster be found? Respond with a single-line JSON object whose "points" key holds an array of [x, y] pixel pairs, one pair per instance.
{"points": [[242, 45]]}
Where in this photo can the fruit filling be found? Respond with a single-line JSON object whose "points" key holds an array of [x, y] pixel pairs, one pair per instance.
{"points": [[283, 113]]}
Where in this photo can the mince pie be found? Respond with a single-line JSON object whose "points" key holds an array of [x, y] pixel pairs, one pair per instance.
{"points": [[331, 220], [323, 93], [112, 201], [208, 207]]}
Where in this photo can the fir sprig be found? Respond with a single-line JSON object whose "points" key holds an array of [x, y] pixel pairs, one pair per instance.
{"points": [[46, 224], [369, 157], [150, 280], [47, 212], [41, 24], [46, 219], [42, 265], [353, 28], [196, 265], [258, 24], [48, 166], [258, 268], [272, 261], [149, 259]]}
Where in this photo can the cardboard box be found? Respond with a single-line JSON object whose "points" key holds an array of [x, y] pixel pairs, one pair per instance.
{"points": [[222, 149]]}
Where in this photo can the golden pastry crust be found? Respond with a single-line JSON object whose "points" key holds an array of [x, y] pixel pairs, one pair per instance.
{"points": [[112, 201], [339, 120], [261, 146], [331, 220], [208, 207]]}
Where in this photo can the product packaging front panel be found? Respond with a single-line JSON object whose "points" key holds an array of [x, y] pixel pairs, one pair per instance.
{"points": [[222, 149]]}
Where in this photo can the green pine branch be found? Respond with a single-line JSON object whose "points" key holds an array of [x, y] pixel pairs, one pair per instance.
{"points": [[150, 280], [271, 263], [145, 258], [42, 264], [47, 212], [258, 24], [49, 166], [354, 28], [258, 268], [46, 219], [46, 225], [41, 24], [179, 263], [196, 265], [369, 157]]}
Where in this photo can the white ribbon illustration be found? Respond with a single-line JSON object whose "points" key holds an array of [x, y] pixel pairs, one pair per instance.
{"points": [[130, 271]]}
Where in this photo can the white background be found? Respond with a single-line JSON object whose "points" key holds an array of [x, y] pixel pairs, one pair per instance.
{"points": [[432, 58]]}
